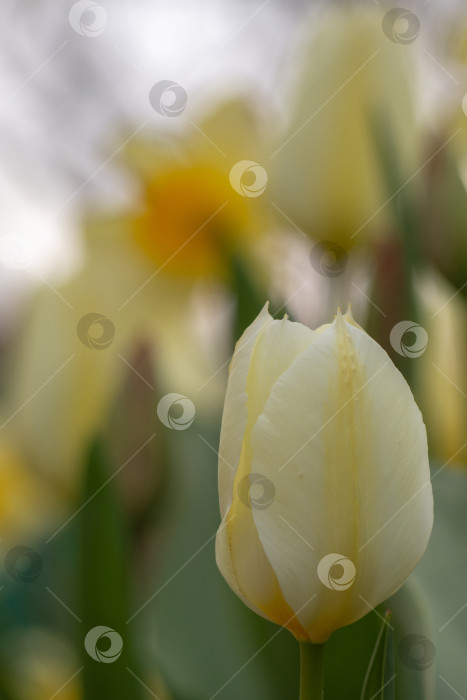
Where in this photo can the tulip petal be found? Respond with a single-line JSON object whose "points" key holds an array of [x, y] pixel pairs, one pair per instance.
{"points": [[242, 562], [235, 415], [239, 553], [353, 502], [276, 348]]}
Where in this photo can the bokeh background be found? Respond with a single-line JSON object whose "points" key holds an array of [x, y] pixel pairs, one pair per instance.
{"points": [[166, 168]]}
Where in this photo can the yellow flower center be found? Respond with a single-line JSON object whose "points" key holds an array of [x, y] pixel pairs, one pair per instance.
{"points": [[191, 218]]}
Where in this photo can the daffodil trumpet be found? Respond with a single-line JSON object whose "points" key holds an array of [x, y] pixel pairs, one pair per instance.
{"points": [[324, 483]]}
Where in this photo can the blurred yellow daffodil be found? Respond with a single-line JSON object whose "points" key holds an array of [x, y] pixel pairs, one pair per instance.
{"points": [[76, 349], [148, 276], [326, 167], [198, 206], [324, 481]]}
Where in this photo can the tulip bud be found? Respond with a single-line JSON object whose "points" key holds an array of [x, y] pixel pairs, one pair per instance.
{"points": [[324, 482], [348, 75]]}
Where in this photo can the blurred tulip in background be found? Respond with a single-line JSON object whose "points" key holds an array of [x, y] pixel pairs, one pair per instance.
{"points": [[326, 165]]}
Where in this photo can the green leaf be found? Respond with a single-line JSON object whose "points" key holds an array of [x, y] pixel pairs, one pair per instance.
{"points": [[397, 258], [379, 679], [206, 641], [415, 650], [372, 659], [375, 659], [348, 653], [442, 573], [404, 209], [104, 569]]}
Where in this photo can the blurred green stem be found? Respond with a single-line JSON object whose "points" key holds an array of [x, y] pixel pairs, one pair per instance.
{"points": [[405, 211], [249, 299], [311, 671]]}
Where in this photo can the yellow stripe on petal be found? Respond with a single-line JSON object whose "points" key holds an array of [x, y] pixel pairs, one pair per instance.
{"points": [[254, 576]]}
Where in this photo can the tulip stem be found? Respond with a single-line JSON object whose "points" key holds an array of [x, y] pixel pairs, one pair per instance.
{"points": [[311, 671]]}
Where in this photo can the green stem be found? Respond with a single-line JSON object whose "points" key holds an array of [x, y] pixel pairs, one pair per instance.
{"points": [[311, 671]]}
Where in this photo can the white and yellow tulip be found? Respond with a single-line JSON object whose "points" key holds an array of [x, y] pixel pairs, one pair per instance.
{"points": [[324, 482]]}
